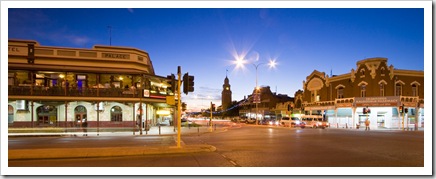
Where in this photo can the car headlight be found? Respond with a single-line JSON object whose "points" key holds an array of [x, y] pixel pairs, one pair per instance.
{"points": [[277, 122], [269, 122], [297, 122]]}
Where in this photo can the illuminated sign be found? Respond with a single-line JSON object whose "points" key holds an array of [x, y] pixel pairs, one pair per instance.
{"points": [[377, 101]]}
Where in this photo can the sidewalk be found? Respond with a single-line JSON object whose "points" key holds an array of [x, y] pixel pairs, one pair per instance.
{"points": [[52, 153]]}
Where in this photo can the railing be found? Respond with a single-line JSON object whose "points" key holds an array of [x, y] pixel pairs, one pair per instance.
{"points": [[83, 92]]}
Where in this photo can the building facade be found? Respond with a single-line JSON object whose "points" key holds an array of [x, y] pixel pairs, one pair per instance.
{"points": [[107, 86], [266, 108], [374, 85]]}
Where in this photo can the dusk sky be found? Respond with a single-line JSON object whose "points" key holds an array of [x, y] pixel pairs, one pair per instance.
{"points": [[205, 41]]}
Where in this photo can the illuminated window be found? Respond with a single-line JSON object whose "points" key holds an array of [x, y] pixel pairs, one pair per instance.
{"points": [[363, 91], [116, 114]]}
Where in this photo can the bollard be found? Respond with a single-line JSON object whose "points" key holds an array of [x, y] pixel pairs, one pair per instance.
{"points": [[198, 130], [337, 125], [159, 129], [215, 127], [346, 125]]}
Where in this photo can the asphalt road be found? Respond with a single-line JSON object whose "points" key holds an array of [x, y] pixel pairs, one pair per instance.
{"points": [[251, 146]]}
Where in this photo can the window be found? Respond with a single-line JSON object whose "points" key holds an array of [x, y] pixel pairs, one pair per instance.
{"points": [[363, 91], [10, 114], [341, 92], [414, 90], [398, 89], [382, 89], [116, 114]]}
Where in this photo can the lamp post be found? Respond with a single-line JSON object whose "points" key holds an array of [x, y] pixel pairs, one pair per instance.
{"points": [[271, 64]]}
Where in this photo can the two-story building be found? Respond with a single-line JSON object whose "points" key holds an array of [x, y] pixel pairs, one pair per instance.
{"points": [[107, 86], [373, 85]]}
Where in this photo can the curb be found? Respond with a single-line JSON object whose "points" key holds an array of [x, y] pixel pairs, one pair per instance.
{"points": [[26, 154]]}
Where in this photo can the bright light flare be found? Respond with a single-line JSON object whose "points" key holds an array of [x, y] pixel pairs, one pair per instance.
{"points": [[272, 63], [240, 62]]}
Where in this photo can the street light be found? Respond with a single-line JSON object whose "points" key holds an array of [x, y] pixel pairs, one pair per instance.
{"points": [[240, 63]]}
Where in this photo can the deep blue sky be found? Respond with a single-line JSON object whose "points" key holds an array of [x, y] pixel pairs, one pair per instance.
{"points": [[205, 41]]}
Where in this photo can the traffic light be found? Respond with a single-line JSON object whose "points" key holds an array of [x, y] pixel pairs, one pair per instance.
{"points": [[172, 82], [213, 107], [289, 107], [406, 110], [188, 83], [401, 109], [368, 111], [364, 111]]}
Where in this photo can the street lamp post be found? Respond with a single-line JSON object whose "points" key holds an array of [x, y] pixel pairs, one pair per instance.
{"points": [[271, 64]]}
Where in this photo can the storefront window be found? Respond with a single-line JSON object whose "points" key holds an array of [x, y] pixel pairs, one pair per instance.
{"points": [[116, 114]]}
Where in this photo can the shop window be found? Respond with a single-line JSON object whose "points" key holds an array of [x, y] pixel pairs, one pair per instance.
{"points": [[10, 114], [116, 114], [47, 115]]}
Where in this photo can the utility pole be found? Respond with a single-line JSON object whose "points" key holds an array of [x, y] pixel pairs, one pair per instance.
{"points": [[210, 120], [179, 106]]}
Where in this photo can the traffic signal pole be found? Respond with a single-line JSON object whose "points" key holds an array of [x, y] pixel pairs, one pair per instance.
{"points": [[210, 120], [179, 105]]}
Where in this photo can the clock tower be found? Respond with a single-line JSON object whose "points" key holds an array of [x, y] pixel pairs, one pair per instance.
{"points": [[226, 95]]}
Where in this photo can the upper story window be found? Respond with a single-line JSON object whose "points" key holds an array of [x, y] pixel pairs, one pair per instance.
{"points": [[414, 90], [382, 89], [398, 88], [341, 92], [363, 91]]}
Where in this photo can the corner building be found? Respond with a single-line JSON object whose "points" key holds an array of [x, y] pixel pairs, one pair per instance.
{"points": [[340, 99], [107, 86]]}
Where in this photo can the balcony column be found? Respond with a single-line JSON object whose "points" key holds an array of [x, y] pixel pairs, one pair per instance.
{"points": [[66, 109], [31, 113], [353, 117]]}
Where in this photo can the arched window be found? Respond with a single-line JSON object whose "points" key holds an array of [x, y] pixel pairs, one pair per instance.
{"points": [[47, 115], [116, 114]]}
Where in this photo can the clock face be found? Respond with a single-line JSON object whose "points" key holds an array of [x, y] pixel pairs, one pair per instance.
{"points": [[227, 88]]}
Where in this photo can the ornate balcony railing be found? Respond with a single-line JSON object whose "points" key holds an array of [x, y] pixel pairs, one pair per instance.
{"points": [[82, 92]]}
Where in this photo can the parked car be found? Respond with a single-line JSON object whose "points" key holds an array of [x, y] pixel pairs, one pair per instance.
{"points": [[292, 122], [315, 121]]}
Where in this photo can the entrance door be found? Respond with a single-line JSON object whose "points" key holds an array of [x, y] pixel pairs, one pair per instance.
{"points": [[80, 115]]}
